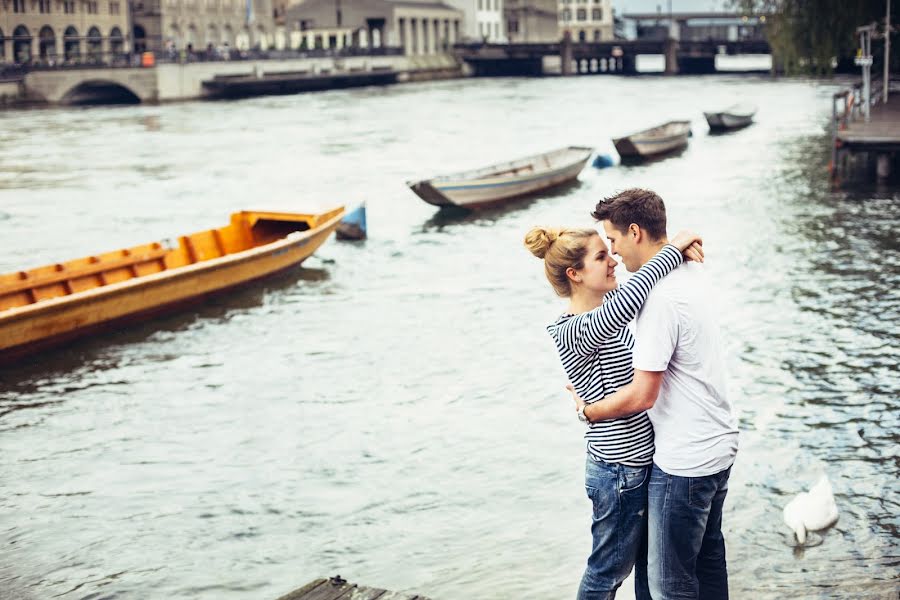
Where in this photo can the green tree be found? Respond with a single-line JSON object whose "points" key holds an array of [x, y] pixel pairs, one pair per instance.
{"points": [[809, 36]]}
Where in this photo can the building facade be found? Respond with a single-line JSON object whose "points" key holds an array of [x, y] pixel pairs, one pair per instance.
{"points": [[63, 31], [484, 20], [531, 21], [176, 26], [586, 20], [419, 27]]}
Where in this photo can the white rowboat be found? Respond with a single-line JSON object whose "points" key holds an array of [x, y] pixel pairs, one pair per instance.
{"points": [[656, 140], [483, 187]]}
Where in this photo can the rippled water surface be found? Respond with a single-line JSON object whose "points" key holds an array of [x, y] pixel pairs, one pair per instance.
{"points": [[394, 410]]}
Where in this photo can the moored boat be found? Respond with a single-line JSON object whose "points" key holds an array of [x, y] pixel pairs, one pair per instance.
{"points": [[49, 305], [654, 141], [504, 181], [353, 225], [733, 117]]}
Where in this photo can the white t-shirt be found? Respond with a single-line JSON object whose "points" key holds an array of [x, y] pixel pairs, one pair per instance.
{"points": [[677, 331]]}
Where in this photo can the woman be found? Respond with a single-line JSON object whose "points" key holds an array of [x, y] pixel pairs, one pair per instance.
{"points": [[595, 346]]}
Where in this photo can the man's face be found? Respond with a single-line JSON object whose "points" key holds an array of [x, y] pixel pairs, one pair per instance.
{"points": [[622, 243]]}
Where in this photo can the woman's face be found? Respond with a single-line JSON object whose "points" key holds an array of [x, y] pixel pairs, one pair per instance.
{"points": [[599, 272]]}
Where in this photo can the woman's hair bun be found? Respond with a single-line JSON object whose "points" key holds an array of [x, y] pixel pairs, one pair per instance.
{"points": [[539, 240]]}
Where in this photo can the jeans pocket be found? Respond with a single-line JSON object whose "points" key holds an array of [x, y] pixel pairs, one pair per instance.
{"points": [[633, 478], [701, 491]]}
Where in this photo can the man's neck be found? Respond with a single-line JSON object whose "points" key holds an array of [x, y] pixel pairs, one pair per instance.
{"points": [[651, 249]]}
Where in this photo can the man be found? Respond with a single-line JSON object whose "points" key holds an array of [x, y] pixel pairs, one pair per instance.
{"points": [[679, 379]]}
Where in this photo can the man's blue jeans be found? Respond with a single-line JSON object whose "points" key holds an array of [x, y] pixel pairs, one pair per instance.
{"points": [[686, 549], [619, 530]]}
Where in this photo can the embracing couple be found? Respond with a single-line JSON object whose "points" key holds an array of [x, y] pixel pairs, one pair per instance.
{"points": [[661, 433]]}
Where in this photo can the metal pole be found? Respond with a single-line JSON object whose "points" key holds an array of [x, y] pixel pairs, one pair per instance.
{"points": [[887, 51]]}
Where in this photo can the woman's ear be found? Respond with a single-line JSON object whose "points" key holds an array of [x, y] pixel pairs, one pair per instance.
{"points": [[573, 275]]}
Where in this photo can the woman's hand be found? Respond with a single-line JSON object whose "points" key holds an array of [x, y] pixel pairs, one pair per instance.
{"points": [[579, 402], [690, 244]]}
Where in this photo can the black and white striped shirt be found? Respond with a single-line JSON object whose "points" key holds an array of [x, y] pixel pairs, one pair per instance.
{"points": [[595, 350]]}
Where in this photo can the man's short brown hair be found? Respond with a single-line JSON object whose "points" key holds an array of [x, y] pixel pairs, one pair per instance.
{"points": [[641, 207]]}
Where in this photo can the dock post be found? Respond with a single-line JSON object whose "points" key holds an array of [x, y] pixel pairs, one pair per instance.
{"points": [[883, 167], [671, 54], [565, 54]]}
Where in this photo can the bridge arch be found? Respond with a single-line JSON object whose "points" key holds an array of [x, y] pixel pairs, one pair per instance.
{"points": [[21, 45], [116, 42], [71, 44], [190, 38], [100, 91], [228, 35], [94, 45], [139, 35], [212, 35], [242, 42], [47, 43], [175, 36]]}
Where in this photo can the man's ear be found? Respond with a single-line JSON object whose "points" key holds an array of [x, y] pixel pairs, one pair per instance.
{"points": [[635, 232]]}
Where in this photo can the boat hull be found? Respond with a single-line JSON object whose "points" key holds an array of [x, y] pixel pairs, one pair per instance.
{"points": [[643, 144], [491, 191], [53, 322], [723, 121], [353, 225]]}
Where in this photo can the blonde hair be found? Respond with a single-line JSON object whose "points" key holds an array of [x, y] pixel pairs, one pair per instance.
{"points": [[560, 248]]}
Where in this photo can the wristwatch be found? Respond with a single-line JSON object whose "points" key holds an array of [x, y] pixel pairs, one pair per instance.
{"points": [[581, 416]]}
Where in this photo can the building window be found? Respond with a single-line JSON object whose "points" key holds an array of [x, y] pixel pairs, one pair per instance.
{"points": [[44, 6], [69, 7], [581, 36], [497, 31], [512, 26], [91, 6], [18, 6], [581, 14], [596, 35], [113, 8], [566, 15], [597, 14], [480, 4]]}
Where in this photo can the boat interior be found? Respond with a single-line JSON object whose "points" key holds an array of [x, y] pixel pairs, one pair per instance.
{"points": [[523, 166], [246, 230]]}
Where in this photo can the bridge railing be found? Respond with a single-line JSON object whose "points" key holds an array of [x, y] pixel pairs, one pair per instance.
{"points": [[56, 62]]}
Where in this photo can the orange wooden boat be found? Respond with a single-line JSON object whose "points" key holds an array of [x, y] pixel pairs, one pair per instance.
{"points": [[53, 304]]}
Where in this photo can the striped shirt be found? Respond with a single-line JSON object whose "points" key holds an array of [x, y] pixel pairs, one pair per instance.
{"points": [[595, 350]]}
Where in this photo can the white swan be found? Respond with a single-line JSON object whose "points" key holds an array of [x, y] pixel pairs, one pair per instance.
{"points": [[811, 511]]}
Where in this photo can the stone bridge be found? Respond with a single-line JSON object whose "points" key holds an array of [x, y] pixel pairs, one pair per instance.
{"points": [[74, 86], [618, 57]]}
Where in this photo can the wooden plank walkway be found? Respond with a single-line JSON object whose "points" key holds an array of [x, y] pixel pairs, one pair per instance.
{"points": [[337, 588], [882, 132]]}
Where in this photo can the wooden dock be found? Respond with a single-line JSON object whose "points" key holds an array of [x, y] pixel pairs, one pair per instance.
{"points": [[336, 588], [880, 133], [865, 150]]}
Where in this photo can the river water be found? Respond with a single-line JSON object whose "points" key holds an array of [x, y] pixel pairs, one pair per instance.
{"points": [[394, 410]]}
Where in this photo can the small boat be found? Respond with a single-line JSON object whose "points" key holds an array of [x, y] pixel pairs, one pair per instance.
{"points": [[656, 140], [490, 185], [53, 304], [733, 117], [353, 225]]}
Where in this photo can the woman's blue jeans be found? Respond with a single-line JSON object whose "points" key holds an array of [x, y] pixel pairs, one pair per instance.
{"points": [[618, 528]]}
